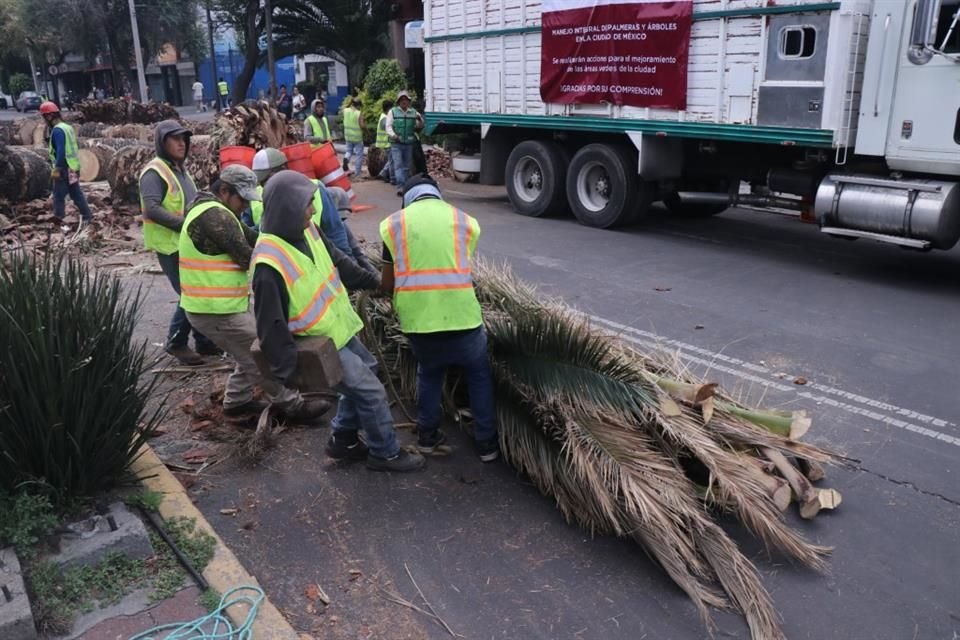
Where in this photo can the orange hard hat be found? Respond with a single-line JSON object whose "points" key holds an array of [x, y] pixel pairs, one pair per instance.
{"points": [[49, 107]]}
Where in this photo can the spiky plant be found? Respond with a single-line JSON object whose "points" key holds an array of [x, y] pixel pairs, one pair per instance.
{"points": [[73, 408], [612, 434]]}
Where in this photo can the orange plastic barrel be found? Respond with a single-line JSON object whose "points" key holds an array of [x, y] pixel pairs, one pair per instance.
{"points": [[236, 155], [328, 169], [300, 158]]}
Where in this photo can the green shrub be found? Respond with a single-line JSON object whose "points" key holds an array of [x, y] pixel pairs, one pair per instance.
{"points": [[384, 75], [73, 409], [20, 82], [24, 520]]}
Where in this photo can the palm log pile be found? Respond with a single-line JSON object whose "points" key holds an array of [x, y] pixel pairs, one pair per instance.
{"points": [[439, 164], [628, 445], [254, 124], [123, 170], [120, 111]]}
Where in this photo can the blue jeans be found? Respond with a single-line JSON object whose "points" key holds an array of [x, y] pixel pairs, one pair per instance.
{"points": [[63, 187], [467, 350], [363, 401], [355, 150], [180, 327], [402, 156]]}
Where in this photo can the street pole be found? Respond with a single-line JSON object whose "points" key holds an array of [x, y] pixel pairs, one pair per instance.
{"points": [[213, 57], [33, 71], [141, 77], [271, 67]]}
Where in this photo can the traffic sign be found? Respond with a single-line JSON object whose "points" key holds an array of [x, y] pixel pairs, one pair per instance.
{"points": [[53, 70]]}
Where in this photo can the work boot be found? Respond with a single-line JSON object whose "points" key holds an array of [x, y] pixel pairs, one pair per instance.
{"points": [[488, 450], [184, 355], [309, 411], [346, 445], [400, 463], [430, 441], [210, 350], [247, 408]]}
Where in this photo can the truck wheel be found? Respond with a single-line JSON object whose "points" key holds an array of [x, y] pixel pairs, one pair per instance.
{"points": [[535, 174], [603, 187]]}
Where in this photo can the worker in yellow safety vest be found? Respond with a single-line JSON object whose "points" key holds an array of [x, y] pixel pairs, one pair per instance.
{"points": [[354, 129], [267, 163], [427, 247], [383, 142], [316, 128], [166, 189], [297, 291], [223, 91], [215, 254], [65, 164]]}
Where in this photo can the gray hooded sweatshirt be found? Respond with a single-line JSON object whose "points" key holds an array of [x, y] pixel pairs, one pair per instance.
{"points": [[152, 186], [285, 199]]}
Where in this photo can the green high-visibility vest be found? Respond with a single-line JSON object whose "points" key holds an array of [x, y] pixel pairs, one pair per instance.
{"points": [[431, 243], [320, 128], [256, 208], [351, 125], [404, 124], [383, 139], [318, 211], [69, 147], [210, 284], [157, 237], [222, 88], [319, 305]]}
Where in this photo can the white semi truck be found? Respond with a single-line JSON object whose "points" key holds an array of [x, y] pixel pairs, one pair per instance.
{"points": [[847, 112]]}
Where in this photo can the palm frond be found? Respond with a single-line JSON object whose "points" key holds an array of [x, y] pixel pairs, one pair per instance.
{"points": [[581, 415]]}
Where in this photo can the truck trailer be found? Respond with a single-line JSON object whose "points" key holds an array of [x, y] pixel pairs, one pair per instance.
{"points": [[844, 113]]}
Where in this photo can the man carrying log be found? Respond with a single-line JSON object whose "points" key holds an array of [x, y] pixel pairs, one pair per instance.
{"points": [[165, 190], [66, 164], [297, 292], [215, 253], [316, 128], [427, 247]]}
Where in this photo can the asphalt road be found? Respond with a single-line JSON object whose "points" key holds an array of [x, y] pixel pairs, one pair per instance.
{"points": [[751, 300], [188, 113]]}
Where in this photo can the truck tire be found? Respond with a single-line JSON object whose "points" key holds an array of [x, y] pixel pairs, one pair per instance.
{"points": [[603, 187], [535, 175]]}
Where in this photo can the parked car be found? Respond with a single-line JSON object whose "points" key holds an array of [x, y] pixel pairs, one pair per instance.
{"points": [[3, 102], [28, 100]]}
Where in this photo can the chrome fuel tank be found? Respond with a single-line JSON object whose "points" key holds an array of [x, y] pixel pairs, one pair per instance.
{"points": [[916, 209]]}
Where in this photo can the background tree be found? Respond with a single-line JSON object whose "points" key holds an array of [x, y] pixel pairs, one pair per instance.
{"points": [[247, 19], [353, 32]]}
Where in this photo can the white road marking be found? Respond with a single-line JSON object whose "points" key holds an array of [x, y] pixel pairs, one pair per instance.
{"points": [[875, 410]]}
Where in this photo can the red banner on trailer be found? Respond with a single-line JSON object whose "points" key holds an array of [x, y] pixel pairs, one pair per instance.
{"points": [[626, 52]]}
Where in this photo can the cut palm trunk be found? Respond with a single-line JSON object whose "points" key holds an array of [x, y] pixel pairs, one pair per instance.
{"points": [[123, 172], [26, 127], [611, 434], [24, 174], [94, 161]]}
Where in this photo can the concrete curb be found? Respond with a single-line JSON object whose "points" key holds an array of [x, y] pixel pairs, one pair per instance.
{"points": [[224, 572]]}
